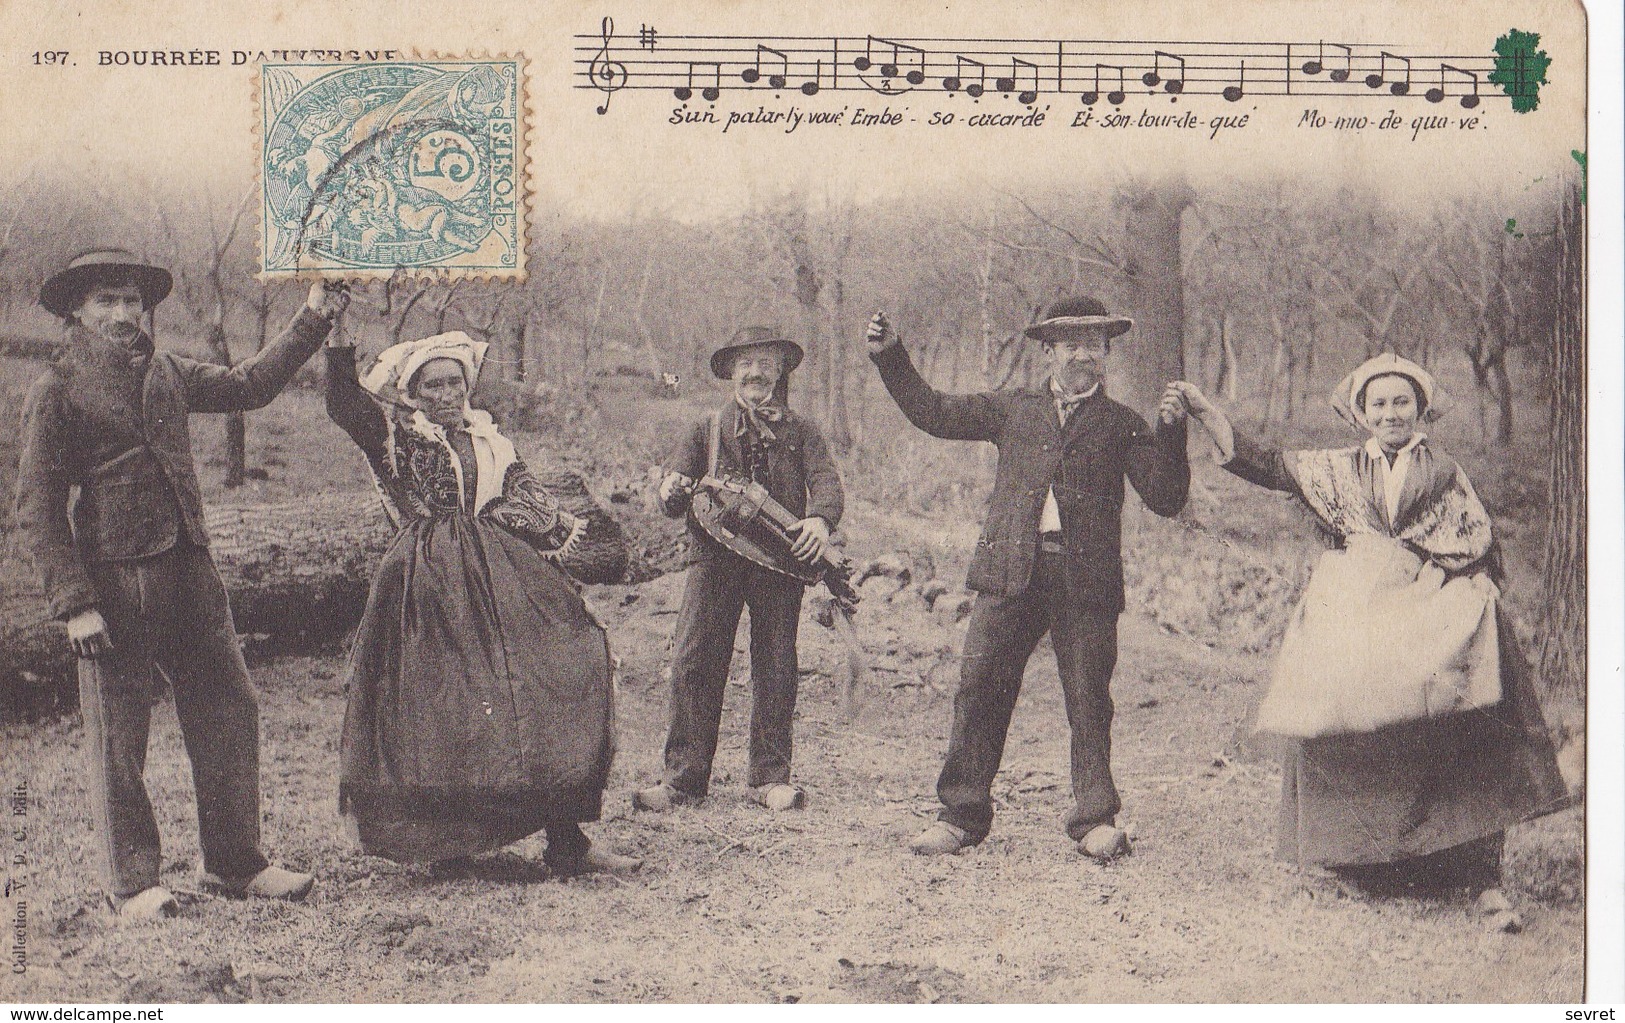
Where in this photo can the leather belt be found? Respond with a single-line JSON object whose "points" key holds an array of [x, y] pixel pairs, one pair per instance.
{"points": [[1051, 543]]}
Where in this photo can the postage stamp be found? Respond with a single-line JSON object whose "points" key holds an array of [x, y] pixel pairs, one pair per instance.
{"points": [[369, 169]]}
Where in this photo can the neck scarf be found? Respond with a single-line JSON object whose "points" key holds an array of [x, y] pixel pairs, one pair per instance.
{"points": [[1066, 404], [756, 418]]}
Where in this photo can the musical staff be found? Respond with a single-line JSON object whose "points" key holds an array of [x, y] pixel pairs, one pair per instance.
{"points": [[1029, 71]]}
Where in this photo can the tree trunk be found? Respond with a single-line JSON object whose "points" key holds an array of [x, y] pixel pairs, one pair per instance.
{"points": [[807, 288], [1312, 329], [1156, 292], [521, 369], [1225, 385], [1563, 646], [838, 425], [1503, 399], [236, 427], [236, 450]]}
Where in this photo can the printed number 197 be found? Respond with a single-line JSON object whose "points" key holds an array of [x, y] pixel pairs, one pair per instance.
{"points": [[51, 57]]}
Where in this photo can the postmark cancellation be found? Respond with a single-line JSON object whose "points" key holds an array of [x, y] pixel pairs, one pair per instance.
{"points": [[370, 169]]}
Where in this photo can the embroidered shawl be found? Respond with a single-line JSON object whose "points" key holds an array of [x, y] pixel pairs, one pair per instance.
{"points": [[1440, 515]]}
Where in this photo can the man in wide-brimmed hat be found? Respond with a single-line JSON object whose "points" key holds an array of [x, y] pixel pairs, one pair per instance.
{"points": [[755, 435], [1049, 558], [125, 563]]}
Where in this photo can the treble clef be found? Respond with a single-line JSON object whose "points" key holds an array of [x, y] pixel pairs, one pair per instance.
{"points": [[605, 74]]}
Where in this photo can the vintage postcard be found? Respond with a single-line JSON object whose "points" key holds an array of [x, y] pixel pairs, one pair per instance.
{"points": [[1041, 502]]}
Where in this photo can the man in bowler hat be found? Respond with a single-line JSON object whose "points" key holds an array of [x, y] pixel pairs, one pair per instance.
{"points": [[108, 506], [754, 435], [1049, 558]]}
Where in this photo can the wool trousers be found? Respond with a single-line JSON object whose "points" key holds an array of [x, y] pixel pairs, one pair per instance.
{"points": [[720, 586], [1000, 639], [169, 613]]}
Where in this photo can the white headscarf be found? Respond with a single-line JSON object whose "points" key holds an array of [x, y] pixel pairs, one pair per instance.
{"points": [[1346, 395], [394, 368], [397, 363]]}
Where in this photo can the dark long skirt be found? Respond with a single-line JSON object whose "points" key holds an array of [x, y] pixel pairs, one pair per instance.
{"points": [[480, 697], [1428, 798]]}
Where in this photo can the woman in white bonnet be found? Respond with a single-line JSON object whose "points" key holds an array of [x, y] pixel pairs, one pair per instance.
{"points": [[1413, 735], [480, 694]]}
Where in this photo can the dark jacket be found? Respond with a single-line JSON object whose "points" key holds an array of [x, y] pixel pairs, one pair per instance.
{"points": [[1103, 442], [95, 424], [801, 474]]}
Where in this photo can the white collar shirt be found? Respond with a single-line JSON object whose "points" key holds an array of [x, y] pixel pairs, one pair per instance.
{"points": [[1393, 476], [1049, 521]]}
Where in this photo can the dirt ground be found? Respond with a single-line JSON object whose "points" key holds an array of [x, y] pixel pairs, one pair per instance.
{"points": [[738, 904]]}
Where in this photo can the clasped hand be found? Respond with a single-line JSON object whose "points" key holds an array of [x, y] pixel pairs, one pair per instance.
{"points": [[881, 335], [1180, 399], [328, 298]]}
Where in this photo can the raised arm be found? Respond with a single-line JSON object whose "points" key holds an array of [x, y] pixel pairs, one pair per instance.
{"points": [[1236, 452], [949, 416], [252, 383], [1259, 465], [355, 411]]}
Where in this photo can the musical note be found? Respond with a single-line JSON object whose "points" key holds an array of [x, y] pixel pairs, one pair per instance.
{"points": [[1008, 85], [1152, 77], [1436, 95], [1235, 92], [954, 82], [889, 70], [1116, 97], [812, 85], [1398, 88], [754, 74], [710, 92], [1315, 67], [606, 75]]}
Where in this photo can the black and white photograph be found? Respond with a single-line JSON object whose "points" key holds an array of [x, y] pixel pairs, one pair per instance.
{"points": [[719, 503]]}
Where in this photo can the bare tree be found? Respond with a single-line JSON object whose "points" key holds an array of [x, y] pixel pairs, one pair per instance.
{"points": [[1375, 273], [200, 248]]}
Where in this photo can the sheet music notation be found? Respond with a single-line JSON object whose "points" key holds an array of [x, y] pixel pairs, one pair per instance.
{"points": [[1025, 71]]}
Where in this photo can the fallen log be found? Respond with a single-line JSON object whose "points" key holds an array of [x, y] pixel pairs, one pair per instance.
{"points": [[297, 574]]}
